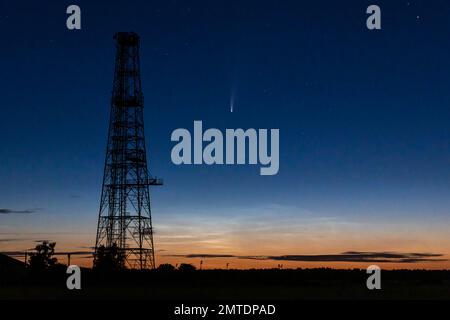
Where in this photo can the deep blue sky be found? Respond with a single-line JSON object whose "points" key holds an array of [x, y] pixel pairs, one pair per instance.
{"points": [[363, 115]]}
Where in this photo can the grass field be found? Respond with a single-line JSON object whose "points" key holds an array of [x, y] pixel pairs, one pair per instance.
{"points": [[232, 284]]}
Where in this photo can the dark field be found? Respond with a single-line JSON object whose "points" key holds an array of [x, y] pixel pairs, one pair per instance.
{"points": [[230, 285]]}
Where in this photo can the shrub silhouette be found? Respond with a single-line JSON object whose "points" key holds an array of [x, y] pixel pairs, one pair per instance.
{"points": [[186, 267], [42, 259], [109, 259], [166, 267]]}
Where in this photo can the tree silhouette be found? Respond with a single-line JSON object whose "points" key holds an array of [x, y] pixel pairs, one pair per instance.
{"points": [[186, 267], [42, 259], [166, 267], [109, 259]]}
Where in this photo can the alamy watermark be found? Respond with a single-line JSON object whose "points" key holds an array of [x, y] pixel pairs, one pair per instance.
{"points": [[241, 147], [374, 280], [74, 280]]}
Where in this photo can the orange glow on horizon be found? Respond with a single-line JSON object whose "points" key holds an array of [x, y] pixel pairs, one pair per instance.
{"points": [[276, 235]]}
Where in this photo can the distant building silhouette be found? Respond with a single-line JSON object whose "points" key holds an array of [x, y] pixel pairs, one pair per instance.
{"points": [[10, 266]]}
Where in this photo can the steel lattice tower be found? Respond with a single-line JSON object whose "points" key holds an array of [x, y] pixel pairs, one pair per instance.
{"points": [[124, 221]]}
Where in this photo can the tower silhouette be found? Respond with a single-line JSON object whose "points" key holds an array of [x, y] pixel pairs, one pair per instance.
{"points": [[124, 220]]}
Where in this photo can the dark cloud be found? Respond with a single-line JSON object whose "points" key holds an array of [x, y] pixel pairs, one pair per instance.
{"points": [[350, 256], [362, 257], [203, 255], [11, 211], [61, 253], [11, 239], [74, 253], [87, 247]]}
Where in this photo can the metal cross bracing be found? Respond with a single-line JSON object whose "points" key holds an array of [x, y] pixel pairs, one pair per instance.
{"points": [[124, 220]]}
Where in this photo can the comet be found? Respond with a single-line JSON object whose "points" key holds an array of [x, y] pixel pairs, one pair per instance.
{"points": [[232, 99]]}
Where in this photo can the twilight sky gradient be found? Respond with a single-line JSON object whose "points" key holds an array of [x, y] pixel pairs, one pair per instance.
{"points": [[363, 116]]}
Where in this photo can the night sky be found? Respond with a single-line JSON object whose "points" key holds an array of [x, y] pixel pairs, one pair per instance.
{"points": [[363, 117]]}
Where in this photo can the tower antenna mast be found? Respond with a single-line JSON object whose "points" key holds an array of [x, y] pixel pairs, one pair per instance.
{"points": [[124, 221]]}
